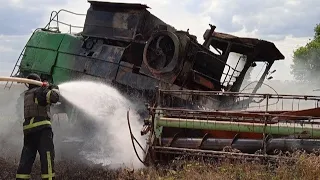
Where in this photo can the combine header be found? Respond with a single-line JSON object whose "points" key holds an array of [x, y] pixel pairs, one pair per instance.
{"points": [[271, 123]]}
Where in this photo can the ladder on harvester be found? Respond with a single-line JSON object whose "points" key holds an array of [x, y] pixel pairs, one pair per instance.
{"points": [[55, 18], [8, 84]]}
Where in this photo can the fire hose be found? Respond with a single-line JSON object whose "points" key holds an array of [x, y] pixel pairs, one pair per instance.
{"points": [[23, 80], [134, 139]]}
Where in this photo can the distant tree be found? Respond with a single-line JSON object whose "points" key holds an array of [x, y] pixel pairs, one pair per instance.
{"points": [[306, 60]]}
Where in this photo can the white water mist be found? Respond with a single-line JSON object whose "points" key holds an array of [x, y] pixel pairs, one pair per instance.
{"points": [[11, 118], [111, 144]]}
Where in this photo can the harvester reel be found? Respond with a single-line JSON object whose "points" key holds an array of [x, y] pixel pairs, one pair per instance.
{"points": [[161, 55]]}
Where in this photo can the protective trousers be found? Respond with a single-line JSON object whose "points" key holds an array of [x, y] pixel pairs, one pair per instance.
{"points": [[41, 141]]}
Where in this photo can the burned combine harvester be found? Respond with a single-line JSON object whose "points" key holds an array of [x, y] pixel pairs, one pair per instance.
{"points": [[127, 46]]}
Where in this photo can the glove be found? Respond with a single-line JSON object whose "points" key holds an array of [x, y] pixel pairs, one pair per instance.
{"points": [[45, 84], [53, 86]]}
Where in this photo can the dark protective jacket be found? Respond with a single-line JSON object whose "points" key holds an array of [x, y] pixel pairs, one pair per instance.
{"points": [[37, 103]]}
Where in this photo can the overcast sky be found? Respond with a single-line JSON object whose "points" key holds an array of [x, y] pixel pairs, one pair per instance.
{"points": [[287, 23]]}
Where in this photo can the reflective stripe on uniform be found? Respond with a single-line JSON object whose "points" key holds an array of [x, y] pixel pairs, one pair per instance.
{"points": [[23, 176], [33, 125], [36, 101], [44, 176], [31, 121], [50, 175], [48, 96]]}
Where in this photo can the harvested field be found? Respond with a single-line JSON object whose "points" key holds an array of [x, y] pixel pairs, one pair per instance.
{"points": [[307, 168]]}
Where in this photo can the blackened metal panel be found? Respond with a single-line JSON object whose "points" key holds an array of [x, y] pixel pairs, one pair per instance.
{"points": [[61, 75], [121, 20], [103, 69], [209, 65], [111, 24], [151, 23], [109, 53], [197, 78], [88, 65], [116, 6], [126, 76]]}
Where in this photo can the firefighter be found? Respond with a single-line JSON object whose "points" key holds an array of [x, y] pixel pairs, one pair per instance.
{"points": [[38, 135]]}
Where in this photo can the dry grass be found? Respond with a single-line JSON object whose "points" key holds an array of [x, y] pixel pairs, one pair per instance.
{"points": [[307, 167]]}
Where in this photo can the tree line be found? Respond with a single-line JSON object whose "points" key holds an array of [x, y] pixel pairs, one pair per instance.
{"points": [[306, 60]]}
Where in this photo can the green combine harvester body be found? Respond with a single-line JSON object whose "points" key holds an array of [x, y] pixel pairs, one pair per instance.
{"points": [[51, 55]]}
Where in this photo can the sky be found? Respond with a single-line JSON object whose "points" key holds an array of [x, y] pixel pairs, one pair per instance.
{"points": [[287, 23]]}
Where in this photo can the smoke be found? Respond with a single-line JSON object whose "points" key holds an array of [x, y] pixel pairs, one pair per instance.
{"points": [[284, 87], [11, 118], [107, 109]]}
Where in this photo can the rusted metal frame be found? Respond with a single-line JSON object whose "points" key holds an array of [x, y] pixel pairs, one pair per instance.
{"points": [[246, 119], [228, 113], [205, 137], [266, 140], [266, 119], [190, 58], [209, 153], [57, 17], [232, 75], [207, 41], [221, 118], [260, 117], [232, 43], [227, 74], [173, 139], [234, 139], [226, 58], [228, 50], [292, 104], [201, 74], [279, 129], [70, 25], [263, 76], [219, 60], [214, 116], [237, 94], [239, 80], [51, 19]]}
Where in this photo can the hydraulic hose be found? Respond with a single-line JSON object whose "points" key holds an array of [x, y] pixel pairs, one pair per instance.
{"points": [[22, 80]]}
